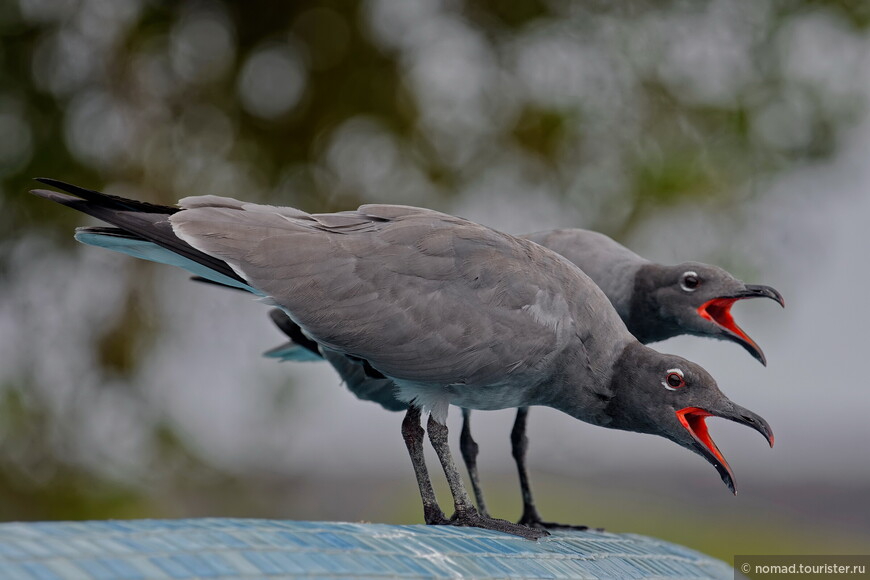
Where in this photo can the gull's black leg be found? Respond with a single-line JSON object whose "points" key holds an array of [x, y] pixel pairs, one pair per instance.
{"points": [[519, 446], [466, 514], [469, 449], [413, 434]]}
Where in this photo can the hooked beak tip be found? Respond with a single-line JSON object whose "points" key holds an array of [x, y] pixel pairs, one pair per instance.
{"points": [[728, 480], [778, 298], [762, 291], [741, 338], [759, 355], [756, 422]]}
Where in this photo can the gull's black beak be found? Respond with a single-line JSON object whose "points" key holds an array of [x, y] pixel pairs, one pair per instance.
{"points": [[760, 291], [694, 419]]}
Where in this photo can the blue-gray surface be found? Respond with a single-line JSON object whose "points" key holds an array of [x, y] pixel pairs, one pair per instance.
{"points": [[245, 548]]}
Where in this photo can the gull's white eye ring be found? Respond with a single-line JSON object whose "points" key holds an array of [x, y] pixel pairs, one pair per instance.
{"points": [[690, 281], [674, 380]]}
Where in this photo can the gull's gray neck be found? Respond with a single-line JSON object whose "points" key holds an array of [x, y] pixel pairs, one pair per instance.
{"points": [[609, 264], [582, 384], [647, 320]]}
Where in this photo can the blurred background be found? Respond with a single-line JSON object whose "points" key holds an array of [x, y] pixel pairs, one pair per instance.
{"points": [[731, 132]]}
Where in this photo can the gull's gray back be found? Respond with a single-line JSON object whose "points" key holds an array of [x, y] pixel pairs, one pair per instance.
{"points": [[611, 265]]}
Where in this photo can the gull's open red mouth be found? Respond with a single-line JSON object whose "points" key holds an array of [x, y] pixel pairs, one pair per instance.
{"points": [[718, 310], [694, 420]]}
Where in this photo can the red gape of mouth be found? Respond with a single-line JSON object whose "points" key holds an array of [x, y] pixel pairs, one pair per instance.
{"points": [[718, 310], [694, 420]]}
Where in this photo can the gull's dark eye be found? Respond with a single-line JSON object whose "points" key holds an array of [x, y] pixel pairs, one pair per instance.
{"points": [[690, 281], [674, 380]]}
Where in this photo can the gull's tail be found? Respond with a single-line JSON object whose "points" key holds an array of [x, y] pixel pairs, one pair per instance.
{"points": [[141, 230]]}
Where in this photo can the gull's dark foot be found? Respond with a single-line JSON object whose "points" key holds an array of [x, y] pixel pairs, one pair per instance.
{"points": [[473, 519], [435, 517], [532, 519]]}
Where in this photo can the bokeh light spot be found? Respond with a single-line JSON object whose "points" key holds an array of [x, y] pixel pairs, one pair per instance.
{"points": [[272, 81]]}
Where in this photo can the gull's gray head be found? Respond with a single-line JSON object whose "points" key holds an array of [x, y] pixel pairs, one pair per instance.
{"points": [[694, 298], [670, 396]]}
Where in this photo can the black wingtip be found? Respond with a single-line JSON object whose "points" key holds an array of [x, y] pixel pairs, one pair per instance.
{"points": [[48, 181], [292, 330], [202, 280], [281, 320], [106, 200], [82, 192], [62, 185], [56, 196]]}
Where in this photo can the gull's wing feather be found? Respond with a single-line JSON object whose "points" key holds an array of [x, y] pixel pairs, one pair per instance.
{"points": [[429, 299]]}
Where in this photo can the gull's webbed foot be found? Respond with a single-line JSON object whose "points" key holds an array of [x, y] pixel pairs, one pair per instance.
{"points": [[472, 518], [537, 523]]}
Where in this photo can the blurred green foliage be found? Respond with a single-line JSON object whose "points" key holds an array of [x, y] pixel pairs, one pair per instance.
{"points": [[35, 484], [619, 110]]}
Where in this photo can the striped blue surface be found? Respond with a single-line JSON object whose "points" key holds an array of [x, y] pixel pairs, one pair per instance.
{"points": [[245, 548]]}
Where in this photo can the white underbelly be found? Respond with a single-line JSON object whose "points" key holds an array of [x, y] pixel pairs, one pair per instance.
{"points": [[437, 399]]}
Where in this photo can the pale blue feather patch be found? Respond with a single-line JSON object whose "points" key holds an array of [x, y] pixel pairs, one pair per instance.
{"points": [[292, 352], [152, 252]]}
